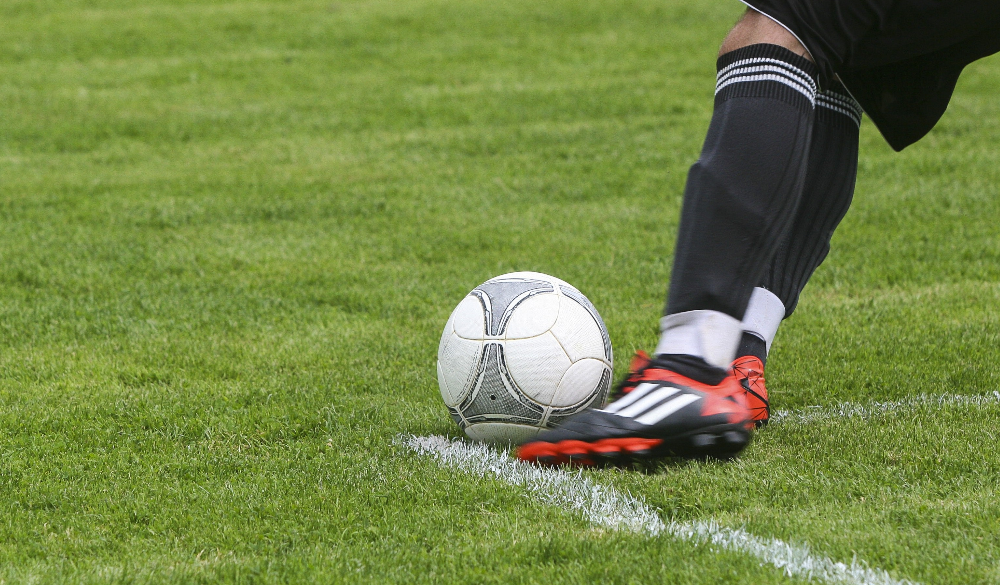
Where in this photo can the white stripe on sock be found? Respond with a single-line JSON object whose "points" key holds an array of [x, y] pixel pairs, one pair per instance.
{"points": [[836, 98], [752, 70], [822, 101], [792, 70], [854, 118], [783, 80]]}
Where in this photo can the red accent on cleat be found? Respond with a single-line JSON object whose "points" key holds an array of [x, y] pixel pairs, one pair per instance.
{"points": [[640, 360], [573, 448], [580, 451], [536, 450], [749, 372]]}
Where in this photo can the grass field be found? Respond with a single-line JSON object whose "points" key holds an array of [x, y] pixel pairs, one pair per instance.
{"points": [[234, 230]]}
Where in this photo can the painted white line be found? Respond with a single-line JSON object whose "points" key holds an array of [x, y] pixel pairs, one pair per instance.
{"points": [[607, 507], [864, 411]]}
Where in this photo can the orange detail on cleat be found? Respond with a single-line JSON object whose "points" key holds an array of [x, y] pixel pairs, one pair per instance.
{"points": [[534, 451], [714, 405], [630, 444], [639, 361], [573, 448], [581, 451], [749, 372]]}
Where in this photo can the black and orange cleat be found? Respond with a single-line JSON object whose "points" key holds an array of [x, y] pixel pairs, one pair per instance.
{"points": [[660, 414], [640, 361], [748, 370]]}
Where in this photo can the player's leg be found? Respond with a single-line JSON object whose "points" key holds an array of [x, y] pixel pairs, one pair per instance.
{"points": [[826, 195], [739, 199], [741, 195]]}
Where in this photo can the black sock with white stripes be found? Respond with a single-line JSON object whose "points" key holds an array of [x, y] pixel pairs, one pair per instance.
{"points": [[826, 195], [745, 188]]}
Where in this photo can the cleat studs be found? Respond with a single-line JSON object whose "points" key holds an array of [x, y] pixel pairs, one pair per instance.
{"points": [[703, 440], [735, 438], [580, 459]]}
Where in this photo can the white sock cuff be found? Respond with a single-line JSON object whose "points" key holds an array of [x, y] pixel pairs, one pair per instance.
{"points": [[710, 335], [764, 315]]}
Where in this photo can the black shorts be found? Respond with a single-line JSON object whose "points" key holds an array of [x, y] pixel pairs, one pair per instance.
{"points": [[899, 58]]}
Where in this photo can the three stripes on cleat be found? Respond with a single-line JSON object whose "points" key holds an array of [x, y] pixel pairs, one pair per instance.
{"points": [[649, 403]]}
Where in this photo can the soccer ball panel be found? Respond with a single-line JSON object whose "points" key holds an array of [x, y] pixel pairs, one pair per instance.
{"points": [[584, 302], [555, 282], [502, 296], [501, 432], [536, 366], [469, 319], [494, 396], [557, 415], [578, 332], [533, 316], [581, 380], [458, 359]]}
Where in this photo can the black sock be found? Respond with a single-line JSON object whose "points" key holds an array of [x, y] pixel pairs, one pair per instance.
{"points": [[826, 195], [745, 187], [691, 366], [750, 344]]}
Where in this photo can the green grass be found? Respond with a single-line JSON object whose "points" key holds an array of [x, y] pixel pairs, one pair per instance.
{"points": [[234, 230]]}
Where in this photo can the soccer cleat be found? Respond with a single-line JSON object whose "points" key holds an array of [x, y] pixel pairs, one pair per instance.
{"points": [[640, 361], [664, 414], [749, 372]]}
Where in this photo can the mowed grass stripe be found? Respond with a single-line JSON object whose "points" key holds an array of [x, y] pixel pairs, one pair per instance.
{"points": [[232, 238]]}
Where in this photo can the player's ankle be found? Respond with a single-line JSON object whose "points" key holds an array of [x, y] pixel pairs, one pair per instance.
{"points": [[752, 345], [691, 366], [710, 336], [763, 316]]}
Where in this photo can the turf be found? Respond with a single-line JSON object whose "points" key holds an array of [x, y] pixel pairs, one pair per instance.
{"points": [[234, 230]]}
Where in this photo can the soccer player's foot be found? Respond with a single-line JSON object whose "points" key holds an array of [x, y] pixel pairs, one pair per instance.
{"points": [[640, 361], [748, 370], [660, 413]]}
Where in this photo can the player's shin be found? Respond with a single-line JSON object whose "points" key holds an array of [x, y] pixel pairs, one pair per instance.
{"points": [[740, 198], [826, 196]]}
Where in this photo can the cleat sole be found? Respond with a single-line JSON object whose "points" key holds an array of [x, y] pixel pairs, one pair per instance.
{"points": [[722, 442]]}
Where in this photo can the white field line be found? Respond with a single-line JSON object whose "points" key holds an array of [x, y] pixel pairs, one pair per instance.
{"points": [[863, 411], [607, 507]]}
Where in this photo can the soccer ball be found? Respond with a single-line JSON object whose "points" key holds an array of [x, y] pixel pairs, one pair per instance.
{"points": [[520, 353]]}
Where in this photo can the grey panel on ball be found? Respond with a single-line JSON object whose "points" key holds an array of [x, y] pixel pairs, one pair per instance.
{"points": [[456, 417], [500, 297], [495, 397], [586, 304], [557, 415]]}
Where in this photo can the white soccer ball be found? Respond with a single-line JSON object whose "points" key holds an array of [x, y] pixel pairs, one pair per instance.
{"points": [[520, 353]]}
